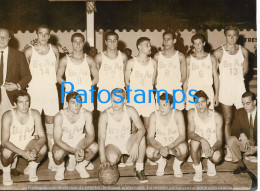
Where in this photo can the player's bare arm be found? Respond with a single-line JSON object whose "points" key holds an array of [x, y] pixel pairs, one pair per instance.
{"points": [[57, 55], [61, 69], [185, 86], [93, 70], [128, 70], [151, 132], [179, 119], [155, 70], [28, 54], [183, 66], [98, 60], [215, 78], [245, 63], [124, 60]]}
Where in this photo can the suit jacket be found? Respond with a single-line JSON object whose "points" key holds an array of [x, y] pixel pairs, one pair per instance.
{"points": [[241, 124], [17, 71]]}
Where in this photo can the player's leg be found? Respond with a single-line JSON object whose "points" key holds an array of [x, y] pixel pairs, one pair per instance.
{"points": [[58, 157], [32, 166], [212, 161], [154, 155], [195, 150], [7, 158], [181, 153]]}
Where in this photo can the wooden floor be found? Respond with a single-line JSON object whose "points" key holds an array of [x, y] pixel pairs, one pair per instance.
{"points": [[224, 179]]}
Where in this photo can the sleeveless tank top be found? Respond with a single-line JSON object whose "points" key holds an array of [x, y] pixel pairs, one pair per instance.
{"points": [[207, 129], [78, 74], [200, 72], [111, 73], [42, 68], [169, 71], [20, 132], [231, 67], [141, 76], [166, 134], [118, 131], [72, 132]]}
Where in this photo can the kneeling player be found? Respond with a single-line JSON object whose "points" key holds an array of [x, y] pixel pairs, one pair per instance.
{"points": [[18, 126], [114, 134], [205, 132], [166, 135], [70, 137]]}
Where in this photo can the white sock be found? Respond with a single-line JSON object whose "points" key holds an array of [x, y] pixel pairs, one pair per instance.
{"points": [[7, 169], [139, 166], [83, 163], [177, 161], [33, 164], [160, 160]]}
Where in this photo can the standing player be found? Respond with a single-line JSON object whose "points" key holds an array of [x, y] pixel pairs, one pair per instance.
{"points": [[114, 134], [18, 126], [71, 137], [171, 68], [78, 68], [166, 135], [140, 74], [205, 132], [44, 59], [202, 72], [233, 66], [111, 64]]}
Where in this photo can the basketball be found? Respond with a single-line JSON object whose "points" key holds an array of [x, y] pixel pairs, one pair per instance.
{"points": [[108, 175]]}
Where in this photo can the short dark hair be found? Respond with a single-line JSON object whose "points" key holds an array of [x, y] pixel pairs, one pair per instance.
{"points": [[120, 90], [198, 36], [200, 94], [77, 35], [44, 27], [111, 33], [140, 40], [21, 93], [171, 33], [249, 94], [231, 27], [72, 95], [170, 98]]}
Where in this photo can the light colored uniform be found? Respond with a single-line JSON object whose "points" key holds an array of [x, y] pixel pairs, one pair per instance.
{"points": [[111, 76], [79, 75], [200, 78], [118, 132], [169, 76], [141, 78], [73, 133], [207, 130], [21, 135], [42, 87], [166, 134], [231, 77]]}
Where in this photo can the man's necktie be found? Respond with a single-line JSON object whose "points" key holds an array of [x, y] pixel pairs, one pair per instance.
{"points": [[251, 129]]}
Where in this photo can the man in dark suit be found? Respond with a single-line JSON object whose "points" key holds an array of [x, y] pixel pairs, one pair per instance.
{"points": [[14, 75], [244, 132]]}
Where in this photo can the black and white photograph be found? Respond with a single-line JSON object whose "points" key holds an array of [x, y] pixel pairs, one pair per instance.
{"points": [[128, 95]]}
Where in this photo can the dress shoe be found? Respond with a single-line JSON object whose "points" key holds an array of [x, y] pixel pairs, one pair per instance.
{"points": [[239, 170]]}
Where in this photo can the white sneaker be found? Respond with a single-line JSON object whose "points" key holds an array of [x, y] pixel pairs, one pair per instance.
{"points": [[80, 167], [228, 156], [177, 168], [162, 162], [7, 180], [52, 166], [121, 165], [151, 162], [31, 171], [72, 163], [211, 168], [198, 173], [90, 166], [189, 159], [129, 162], [251, 159], [60, 172]]}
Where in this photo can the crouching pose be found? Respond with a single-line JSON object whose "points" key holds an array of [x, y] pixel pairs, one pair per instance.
{"points": [[114, 134], [70, 137], [166, 135], [205, 132], [18, 127]]}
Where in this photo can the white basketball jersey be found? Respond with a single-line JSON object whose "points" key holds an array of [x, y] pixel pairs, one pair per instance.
{"points": [[141, 76], [169, 72], [166, 134], [43, 68], [207, 130], [111, 73], [78, 74], [118, 131], [231, 68], [200, 72], [72, 132], [20, 132]]}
